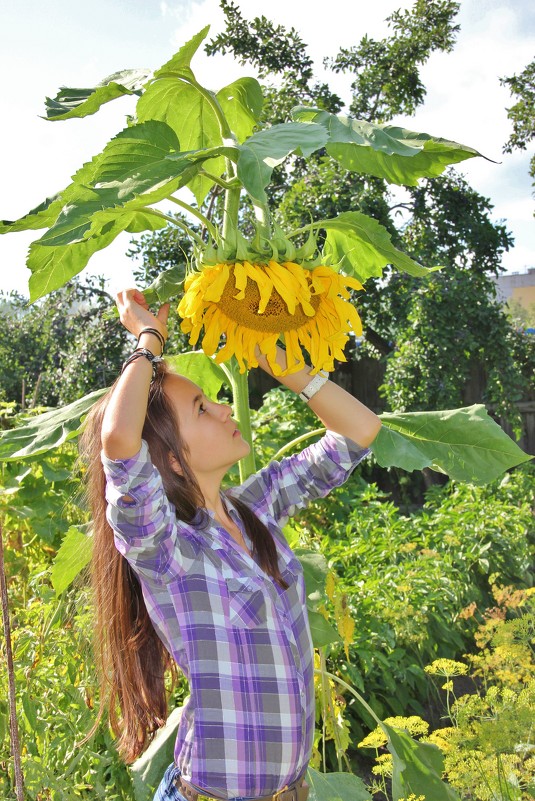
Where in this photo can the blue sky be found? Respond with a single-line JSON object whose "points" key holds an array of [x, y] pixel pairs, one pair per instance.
{"points": [[45, 45]]}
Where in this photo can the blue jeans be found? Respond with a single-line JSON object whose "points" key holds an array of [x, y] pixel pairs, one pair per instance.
{"points": [[167, 790]]}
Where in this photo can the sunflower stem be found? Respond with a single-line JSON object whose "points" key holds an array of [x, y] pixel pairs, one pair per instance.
{"points": [[242, 414], [263, 220]]}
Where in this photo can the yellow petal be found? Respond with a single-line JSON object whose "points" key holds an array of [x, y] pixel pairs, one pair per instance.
{"points": [[219, 277]]}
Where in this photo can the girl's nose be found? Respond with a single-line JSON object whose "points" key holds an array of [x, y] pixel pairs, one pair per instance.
{"points": [[225, 410]]}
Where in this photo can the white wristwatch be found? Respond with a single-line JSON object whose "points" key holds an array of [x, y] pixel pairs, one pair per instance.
{"points": [[313, 386]]}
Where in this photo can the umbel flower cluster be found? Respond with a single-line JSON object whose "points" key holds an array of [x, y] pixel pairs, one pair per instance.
{"points": [[253, 305]]}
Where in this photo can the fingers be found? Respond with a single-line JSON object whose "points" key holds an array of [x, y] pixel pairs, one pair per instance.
{"points": [[135, 314]]}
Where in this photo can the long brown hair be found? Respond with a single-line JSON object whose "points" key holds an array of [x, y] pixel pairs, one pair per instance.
{"points": [[131, 658]]}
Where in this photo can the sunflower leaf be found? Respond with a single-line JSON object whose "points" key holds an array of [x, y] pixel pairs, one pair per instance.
{"points": [[396, 154], [242, 103], [417, 767], [179, 65], [47, 431], [266, 149], [466, 444], [70, 103], [74, 554], [201, 369], [336, 787], [361, 246], [41, 216]]}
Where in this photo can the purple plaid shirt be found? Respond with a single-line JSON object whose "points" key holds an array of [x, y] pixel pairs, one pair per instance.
{"points": [[242, 641]]}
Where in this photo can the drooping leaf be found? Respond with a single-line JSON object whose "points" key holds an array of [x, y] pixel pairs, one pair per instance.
{"points": [[53, 265], [70, 103], [201, 369], [74, 554], [321, 630], [417, 768], [266, 149], [362, 247], [466, 444], [167, 286], [396, 154], [315, 571], [179, 65], [47, 431], [335, 787], [41, 216]]}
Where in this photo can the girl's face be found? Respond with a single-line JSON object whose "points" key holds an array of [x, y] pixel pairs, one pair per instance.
{"points": [[214, 440]]}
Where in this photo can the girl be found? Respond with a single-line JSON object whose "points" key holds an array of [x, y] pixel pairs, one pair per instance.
{"points": [[185, 574]]}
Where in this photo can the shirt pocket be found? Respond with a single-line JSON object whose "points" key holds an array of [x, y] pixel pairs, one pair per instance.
{"points": [[247, 602]]}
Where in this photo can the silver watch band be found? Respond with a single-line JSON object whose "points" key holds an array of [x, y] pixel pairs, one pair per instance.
{"points": [[313, 386]]}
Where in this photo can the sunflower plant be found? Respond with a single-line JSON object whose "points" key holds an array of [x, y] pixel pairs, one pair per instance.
{"points": [[240, 296]]}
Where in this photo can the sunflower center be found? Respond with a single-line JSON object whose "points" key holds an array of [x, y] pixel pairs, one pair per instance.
{"points": [[276, 317]]}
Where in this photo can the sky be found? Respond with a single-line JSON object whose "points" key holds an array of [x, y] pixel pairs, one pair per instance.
{"points": [[69, 42]]}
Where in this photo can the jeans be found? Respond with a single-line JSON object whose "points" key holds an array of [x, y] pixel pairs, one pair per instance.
{"points": [[167, 791]]}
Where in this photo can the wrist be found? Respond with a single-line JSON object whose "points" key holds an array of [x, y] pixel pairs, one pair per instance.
{"points": [[151, 341]]}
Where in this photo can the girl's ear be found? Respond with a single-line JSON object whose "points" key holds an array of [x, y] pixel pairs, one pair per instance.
{"points": [[175, 467]]}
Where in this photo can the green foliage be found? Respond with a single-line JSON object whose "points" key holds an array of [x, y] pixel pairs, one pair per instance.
{"points": [[522, 113], [73, 349]]}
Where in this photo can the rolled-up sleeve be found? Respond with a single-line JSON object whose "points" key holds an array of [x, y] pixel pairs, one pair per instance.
{"points": [[284, 487], [143, 526]]}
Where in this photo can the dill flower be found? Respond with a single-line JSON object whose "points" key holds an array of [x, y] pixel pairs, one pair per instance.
{"points": [[446, 667], [255, 304], [384, 765], [413, 724], [375, 739]]}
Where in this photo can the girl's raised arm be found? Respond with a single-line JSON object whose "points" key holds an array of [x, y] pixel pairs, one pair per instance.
{"points": [[337, 409], [127, 408]]}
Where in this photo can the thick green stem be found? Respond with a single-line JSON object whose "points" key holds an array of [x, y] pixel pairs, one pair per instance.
{"points": [[242, 414], [263, 220], [298, 441], [359, 697]]}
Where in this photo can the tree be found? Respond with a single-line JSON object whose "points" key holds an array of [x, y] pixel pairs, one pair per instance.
{"points": [[73, 351], [522, 113]]}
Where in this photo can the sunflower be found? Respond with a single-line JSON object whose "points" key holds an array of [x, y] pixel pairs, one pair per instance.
{"points": [[253, 305]]}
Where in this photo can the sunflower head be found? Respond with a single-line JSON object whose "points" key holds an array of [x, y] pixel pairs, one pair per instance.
{"points": [[253, 305]]}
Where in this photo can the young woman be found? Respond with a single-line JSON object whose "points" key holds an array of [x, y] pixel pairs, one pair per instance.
{"points": [[185, 574]]}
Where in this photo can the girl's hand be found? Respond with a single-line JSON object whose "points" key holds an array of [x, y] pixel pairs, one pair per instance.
{"points": [[135, 315]]}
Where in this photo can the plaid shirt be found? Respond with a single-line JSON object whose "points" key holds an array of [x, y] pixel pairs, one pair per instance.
{"points": [[242, 641]]}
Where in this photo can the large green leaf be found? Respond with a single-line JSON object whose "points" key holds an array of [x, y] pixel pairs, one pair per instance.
{"points": [[336, 787], [266, 149], [321, 630], [46, 431], [53, 265], [417, 768], [70, 103], [74, 554], [200, 369], [166, 287], [362, 247], [466, 444], [396, 154], [41, 216], [242, 103], [179, 65]]}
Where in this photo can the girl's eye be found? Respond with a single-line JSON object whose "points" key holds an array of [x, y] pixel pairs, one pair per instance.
{"points": [[202, 408]]}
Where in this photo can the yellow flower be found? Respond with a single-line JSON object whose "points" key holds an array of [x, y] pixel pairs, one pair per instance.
{"points": [[375, 739], [446, 667], [253, 305], [384, 766]]}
